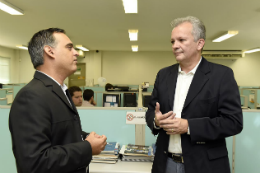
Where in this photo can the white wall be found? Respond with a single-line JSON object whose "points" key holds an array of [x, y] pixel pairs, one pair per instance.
{"points": [[93, 65], [137, 67], [122, 67], [26, 70], [134, 67]]}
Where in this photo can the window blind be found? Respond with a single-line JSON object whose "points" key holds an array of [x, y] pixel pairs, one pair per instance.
{"points": [[4, 70]]}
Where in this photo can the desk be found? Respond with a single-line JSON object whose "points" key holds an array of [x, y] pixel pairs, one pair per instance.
{"points": [[121, 167]]}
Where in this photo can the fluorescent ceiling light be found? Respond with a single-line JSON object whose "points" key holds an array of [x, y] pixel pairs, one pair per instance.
{"points": [[130, 6], [9, 8], [226, 36], [81, 48], [135, 48], [22, 47], [133, 34], [252, 50]]}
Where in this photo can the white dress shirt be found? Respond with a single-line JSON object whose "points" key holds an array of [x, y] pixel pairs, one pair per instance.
{"points": [[181, 91]]}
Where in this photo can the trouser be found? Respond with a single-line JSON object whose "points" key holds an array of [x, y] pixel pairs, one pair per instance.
{"points": [[174, 167]]}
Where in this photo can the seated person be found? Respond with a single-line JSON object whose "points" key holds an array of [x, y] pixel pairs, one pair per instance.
{"points": [[76, 95], [88, 96], [109, 86]]}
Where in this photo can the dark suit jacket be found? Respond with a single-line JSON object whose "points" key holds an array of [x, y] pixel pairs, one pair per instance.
{"points": [[213, 110], [46, 130]]}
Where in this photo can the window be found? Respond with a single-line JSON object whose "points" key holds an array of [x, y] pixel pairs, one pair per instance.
{"points": [[4, 70]]}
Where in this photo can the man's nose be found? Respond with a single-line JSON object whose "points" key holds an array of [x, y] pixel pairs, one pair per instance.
{"points": [[76, 53]]}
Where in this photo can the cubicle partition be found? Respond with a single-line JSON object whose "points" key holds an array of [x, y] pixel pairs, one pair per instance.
{"points": [[112, 123]]}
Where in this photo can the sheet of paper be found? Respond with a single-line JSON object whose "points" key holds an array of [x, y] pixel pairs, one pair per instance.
{"points": [[106, 104], [109, 98], [115, 105], [114, 99]]}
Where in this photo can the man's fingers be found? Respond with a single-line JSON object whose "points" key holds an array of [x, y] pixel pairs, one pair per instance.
{"points": [[157, 107], [164, 116]]}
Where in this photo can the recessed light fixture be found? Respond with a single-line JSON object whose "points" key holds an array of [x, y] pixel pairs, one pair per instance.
{"points": [[9, 8], [81, 48], [135, 48], [226, 36], [130, 6], [22, 47], [252, 50], [133, 34]]}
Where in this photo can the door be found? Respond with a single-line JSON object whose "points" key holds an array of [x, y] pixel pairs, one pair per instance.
{"points": [[79, 77]]}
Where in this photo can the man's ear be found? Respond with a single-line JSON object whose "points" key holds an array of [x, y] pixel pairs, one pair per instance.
{"points": [[49, 51], [201, 43]]}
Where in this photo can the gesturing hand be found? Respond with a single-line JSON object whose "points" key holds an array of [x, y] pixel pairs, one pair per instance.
{"points": [[97, 142], [159, 116]]}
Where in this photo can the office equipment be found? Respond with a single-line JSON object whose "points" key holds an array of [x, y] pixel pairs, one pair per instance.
{"points": [[146, 100], [120, 88], [130, 100], [111, 100]]}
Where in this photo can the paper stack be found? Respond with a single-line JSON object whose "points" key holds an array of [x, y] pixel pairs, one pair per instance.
{"points": [[109, 155], [137, 153]]}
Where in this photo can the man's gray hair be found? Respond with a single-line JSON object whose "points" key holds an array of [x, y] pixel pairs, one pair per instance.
{"points": [[198, 28], [37, 43]]}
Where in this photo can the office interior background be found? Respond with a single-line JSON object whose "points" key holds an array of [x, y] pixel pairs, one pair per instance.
{"points": [[102, 27]]}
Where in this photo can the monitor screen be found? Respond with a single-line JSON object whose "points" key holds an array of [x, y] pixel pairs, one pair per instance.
{"points": [[130, 100], [111, 100], [146, 100]]}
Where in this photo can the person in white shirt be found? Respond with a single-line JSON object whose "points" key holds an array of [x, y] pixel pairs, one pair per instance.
{"points": [[194, 106]]}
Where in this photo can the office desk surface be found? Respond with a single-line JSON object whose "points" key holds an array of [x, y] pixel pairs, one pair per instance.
{"points": [[121, 167]]}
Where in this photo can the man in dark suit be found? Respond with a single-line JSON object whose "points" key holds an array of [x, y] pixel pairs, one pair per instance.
{"points": [[195, 105], [44, 123]]}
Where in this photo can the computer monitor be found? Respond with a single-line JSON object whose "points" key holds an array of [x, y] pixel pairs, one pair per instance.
{"points": [[130, 100], [111, 100], [146, 100]]}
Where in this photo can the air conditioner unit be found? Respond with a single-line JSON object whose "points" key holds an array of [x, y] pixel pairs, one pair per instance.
{"points": [[222, 54]]}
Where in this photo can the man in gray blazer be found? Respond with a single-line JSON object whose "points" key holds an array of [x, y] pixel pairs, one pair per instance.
{"points": [[45, 126], [195, 105]]}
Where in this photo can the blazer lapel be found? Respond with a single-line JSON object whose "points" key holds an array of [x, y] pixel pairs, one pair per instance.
{"points": [[58, 91], [55, 88], [199, 80], [171, 84]]}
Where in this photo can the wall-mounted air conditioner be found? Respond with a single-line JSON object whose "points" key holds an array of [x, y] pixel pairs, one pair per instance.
{"points": [[222, 54]]}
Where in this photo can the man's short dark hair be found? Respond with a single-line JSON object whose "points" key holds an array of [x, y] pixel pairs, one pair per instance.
{"points": [[37, 43], [108, 86], [88, 93], [73, 89]]}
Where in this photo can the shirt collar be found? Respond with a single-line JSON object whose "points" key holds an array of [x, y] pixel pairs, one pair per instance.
{"points": [[63, 87], [193, 70]]}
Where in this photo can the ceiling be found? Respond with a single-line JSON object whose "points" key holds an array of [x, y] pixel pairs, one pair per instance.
{"points": [[103, 25]]}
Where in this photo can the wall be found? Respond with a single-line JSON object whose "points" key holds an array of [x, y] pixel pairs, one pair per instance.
{"points": [[26, 70], [246, 69], [93, 65], [137, 67], [122, 67], [134, 67], [13, 54]]}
